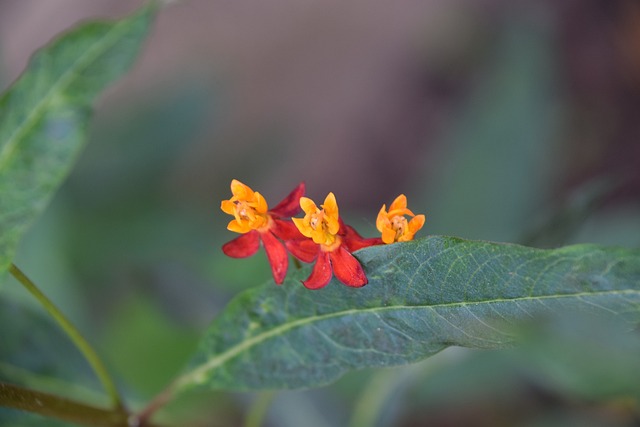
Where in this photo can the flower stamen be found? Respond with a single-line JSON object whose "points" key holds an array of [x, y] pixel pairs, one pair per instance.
{"points": [[399, 224]]}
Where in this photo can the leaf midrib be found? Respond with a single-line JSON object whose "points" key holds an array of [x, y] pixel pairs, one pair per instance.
{"points": [[57, 87], [198, 374]]}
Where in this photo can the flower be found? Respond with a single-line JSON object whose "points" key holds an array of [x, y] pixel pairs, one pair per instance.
{"points": [[321, 225], [327, 245], [394, 226], [254, 220]]}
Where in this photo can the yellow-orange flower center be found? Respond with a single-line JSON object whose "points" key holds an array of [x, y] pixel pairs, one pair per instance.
{"points": [[400, 225], [320, 224], [394, 225], [248, 207]]}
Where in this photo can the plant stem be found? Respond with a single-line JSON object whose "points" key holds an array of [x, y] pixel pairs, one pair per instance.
{"points": [[75, 336], [371, 402], [258, 409], [142, 418], [381, 389], [49, 405]]}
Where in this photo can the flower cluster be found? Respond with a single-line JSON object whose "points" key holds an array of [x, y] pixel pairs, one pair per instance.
{"points": [[319, 236]]}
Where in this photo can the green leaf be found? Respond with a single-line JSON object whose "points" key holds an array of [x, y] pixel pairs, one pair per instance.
{"points": [[44, 116], [422, 297]]}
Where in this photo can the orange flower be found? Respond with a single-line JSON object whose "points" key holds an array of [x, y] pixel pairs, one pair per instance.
{"points": [[394, 226], [248, 207], [323, 226], [256, 223]]}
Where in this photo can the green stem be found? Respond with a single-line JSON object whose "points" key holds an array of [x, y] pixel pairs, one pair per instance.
{"points": [[385, 384], [75, 336], [259, 409], [367, 409], [49, 405], [142, 418]]}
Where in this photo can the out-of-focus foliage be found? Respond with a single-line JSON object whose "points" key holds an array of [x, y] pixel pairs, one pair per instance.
{"points": [[499, 155], [136, 336], [45, 113], [567, 370], [35, 353]]}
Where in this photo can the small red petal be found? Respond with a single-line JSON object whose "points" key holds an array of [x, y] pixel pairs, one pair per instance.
{"points": [[347, 269], [344, 228], [286, 230], [354, 241], [243, 246], [321, 273], [290, 206], [306, 250], [354, 245], [277, 255], [347, 232]]}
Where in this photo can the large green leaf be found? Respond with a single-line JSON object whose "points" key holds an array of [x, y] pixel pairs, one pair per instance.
{"points": [[45, 113], [422, 297]]}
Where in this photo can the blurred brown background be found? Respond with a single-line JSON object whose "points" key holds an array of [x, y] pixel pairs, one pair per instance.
{"points": [[356, 97]]}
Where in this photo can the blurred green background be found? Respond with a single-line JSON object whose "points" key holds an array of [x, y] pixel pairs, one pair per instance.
{"points": [[506, 121]]}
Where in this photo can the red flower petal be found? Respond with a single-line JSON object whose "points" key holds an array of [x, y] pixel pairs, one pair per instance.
{"points": [[306, 250], [286, 230], [243, 246], [290, 206], [321, 273], [277, 255], [347, 269], [355, 245], [354, 241]]}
